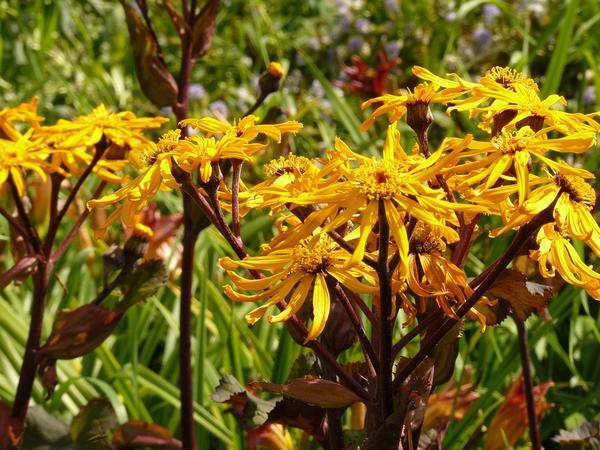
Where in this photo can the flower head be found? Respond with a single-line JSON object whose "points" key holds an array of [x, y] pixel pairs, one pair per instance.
{"points": [[296, 270]]}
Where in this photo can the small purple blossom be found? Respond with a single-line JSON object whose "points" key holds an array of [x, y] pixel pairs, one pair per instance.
{"points": [[196, 91], [392, 48], [589, 96], [362, 25], [356, 44], [482, 38], [490, 12], [392, 6], [219, 107]]}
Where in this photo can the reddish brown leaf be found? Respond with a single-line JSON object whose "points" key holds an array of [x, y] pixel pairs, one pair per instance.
{"points": [[135, 434], [155, 79], [47, 373], [510, 421], [204, 27], [523, 296], [316, 391], [76, 332]]}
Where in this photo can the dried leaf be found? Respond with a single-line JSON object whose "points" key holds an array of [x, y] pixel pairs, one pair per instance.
{"points": [[584, 436], [510, 421], [315, 391], [204, 28], [76, 332], [136, 434], [523, 296], [447, 405], [155, 79], [47, 373]]}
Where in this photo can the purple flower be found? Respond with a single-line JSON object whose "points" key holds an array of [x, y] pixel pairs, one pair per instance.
{"points": [[482, 38], [392, 6], [490, 12], [589, 96], [392, 49], [219, 107], [356, 44], [196, 91], [362, 25]]}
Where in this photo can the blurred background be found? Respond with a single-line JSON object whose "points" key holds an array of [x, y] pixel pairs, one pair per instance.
{"points": [[336, 53]]}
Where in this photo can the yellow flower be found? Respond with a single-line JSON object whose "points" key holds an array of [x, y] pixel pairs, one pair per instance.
{"points": [[398, 105], [432, 275], [510, 152], [25, 112], [295, 272], [245, 128], [24, 154], [572, 212], [200, 153], [155, 165], [122, 130], [555, 252], [399, 181]]}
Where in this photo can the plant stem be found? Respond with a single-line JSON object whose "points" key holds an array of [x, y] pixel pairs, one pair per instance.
{"points": [[190, 237], [53, 228], [384, 376], [235, 196], [370, 357], [534, 430], [29, 367], [27, 226]]}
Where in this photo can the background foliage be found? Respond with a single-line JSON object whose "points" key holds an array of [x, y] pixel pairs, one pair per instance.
{"points": [[74, 55]]}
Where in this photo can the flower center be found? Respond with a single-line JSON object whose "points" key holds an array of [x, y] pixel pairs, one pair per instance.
{"points": [[513, 141], [508, 78], [425, 240], [577, 188], [283, 165], [313, 255], [380, 179]]}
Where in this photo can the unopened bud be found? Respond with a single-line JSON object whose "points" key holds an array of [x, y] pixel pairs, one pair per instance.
{"points": [[137, 245], [418, 116], [501, 120], [269, 80], [536, 123], [178, 173]]}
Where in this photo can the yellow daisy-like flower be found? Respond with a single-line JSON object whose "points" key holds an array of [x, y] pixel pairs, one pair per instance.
{"points": [[556, 253], [155, 165], [295, 272], [397, 106], [432, 275], [25, 112], [245, 128], [512, 150], [23, 154], [572, 212], [121, 129], [200, 153], [397, 180]]}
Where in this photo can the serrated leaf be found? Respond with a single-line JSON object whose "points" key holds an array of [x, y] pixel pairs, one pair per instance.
{"points": [[523, 296], [249, 409], [584, 436]]}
